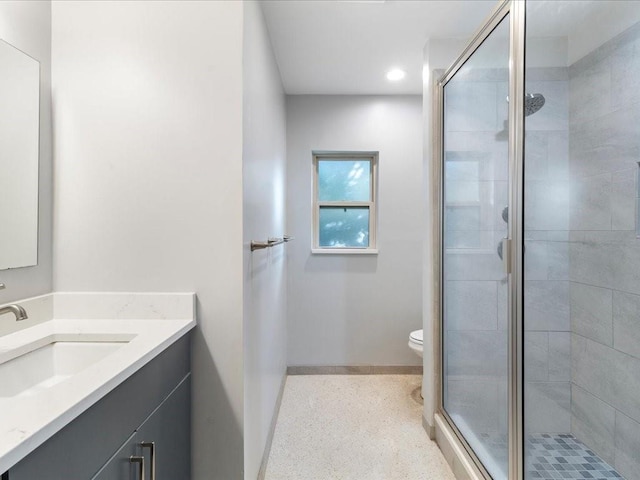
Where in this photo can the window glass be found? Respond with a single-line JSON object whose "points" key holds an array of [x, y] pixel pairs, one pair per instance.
{"points": [[344, 227], [344, 180]]}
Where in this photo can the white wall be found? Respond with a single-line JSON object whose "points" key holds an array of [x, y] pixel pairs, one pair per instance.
{"points": [[27, 26], [148, 185], [439, 54], [356, 309], [264, 162]]}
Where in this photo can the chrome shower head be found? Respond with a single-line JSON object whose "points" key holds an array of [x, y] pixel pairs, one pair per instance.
{"points": [[532, 103]]}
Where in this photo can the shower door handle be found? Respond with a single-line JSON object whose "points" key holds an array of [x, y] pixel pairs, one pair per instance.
{"points": [[504, 251]]}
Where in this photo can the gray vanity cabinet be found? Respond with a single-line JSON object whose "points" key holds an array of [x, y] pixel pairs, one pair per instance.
{"points": [[119, 467], [167, 428], [153, 405]]}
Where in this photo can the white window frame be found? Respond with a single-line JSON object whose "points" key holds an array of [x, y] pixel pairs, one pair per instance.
{"points": [[372, 157]]}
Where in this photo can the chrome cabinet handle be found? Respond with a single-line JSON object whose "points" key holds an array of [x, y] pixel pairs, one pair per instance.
{"points": [[139, 460], [152, 448]]}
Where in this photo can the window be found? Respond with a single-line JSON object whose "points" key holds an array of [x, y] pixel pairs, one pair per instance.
{"points": [[344, 202]]}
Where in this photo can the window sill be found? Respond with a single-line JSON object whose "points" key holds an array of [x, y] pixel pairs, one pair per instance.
{"points": [[345, 251]]}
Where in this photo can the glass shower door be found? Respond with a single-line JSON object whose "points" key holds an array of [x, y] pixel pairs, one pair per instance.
{"points": [[475, 185]]}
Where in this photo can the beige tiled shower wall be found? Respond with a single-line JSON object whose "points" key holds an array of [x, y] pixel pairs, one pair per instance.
{"points": [[604, 251]]}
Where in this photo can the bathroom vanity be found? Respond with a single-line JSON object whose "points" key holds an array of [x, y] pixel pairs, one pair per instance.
{"points": [[151, 406], [111, 396]]}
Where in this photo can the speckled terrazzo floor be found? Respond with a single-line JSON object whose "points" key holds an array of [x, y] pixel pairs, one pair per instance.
{"points": [[353, 427]]}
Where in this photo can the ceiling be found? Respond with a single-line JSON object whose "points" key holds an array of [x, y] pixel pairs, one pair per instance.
{"points": [[346, 47]]}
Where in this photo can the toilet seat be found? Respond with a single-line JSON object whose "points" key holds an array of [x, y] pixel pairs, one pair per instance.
{"points": [[416, 337]]}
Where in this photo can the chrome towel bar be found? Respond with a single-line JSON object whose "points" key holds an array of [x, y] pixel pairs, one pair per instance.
{"points": [[271, 242]]}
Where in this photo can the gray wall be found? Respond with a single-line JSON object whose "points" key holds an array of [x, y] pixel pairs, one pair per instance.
{"points": [[264, 168], [356, 309], [546, 287], [605, 251], [148, 184], [27, 26]]}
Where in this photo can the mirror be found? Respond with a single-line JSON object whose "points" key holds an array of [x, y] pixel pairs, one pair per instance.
{"points": [[19, 151]]}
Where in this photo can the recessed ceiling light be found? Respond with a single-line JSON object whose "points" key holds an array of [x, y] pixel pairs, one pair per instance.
{"points": [[395, 75]]}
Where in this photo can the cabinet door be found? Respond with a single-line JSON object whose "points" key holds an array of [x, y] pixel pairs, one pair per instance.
{"points": [[119, 467], [168, 428]]}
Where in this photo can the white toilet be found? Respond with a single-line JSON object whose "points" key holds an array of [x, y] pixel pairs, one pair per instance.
{"points": [[415, 342]]}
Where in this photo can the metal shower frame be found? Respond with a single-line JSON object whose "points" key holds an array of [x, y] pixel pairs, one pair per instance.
{"points": [[515, 9]]}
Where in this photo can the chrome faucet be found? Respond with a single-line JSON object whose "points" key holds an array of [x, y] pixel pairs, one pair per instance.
{"points": [[17, 310]]}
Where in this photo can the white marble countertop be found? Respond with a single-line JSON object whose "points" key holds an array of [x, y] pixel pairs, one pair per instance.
{"points": [[28, 421]]}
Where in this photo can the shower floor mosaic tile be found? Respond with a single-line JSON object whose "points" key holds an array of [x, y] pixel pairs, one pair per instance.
{"points": [[554, 457], [562, 456]]}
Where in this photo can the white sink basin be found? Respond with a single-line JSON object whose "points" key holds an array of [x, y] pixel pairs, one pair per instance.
{"points": [[41, 364]]}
